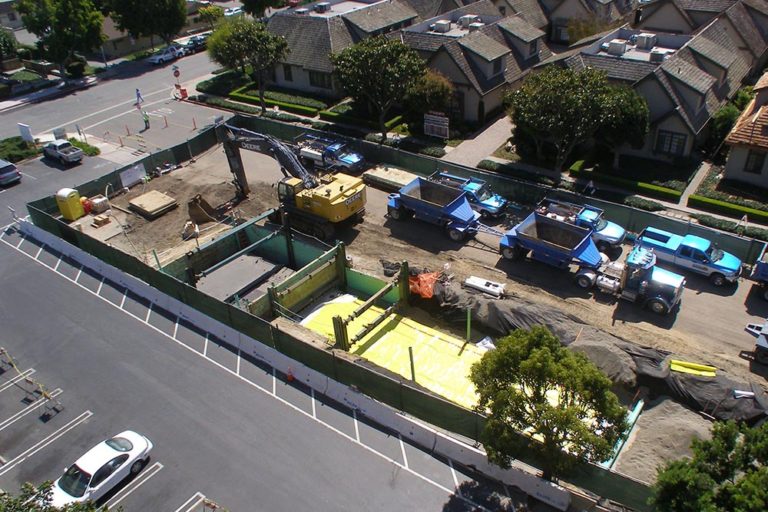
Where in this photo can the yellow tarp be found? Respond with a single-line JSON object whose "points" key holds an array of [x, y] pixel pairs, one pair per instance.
{"points": [[702, 370], [442, 361]]}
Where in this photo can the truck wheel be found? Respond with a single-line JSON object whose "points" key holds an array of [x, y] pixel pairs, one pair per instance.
{"points": [[717, 279], [484, 214], [513, 253], [657, 306], [456, 235], [395, 213], [583, 281]]}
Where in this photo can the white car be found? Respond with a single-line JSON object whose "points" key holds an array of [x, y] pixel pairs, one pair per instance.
{"points": [[233, 11], [102, 467], [165, 55]]}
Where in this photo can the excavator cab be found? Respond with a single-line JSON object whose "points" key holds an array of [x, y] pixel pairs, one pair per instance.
{"points": [[287, 189]]}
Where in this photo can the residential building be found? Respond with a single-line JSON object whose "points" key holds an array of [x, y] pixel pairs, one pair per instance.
{"points": [[481, 52], [748, 141], [9, 16], [684, 79], [562, 12], [530, 10], [679, 16]]}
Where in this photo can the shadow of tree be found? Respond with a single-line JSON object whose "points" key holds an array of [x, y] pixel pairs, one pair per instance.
{"points": [[475, 496]]}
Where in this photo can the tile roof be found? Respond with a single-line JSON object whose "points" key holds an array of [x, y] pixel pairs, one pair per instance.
{"points": [[520, 28], [717, 6], [744, 23], [531, 11], [717, 53], [430, 8], [421, 41], [751, 127], [624, 70], [689, 74], [762, 82], [311, 39], [484, 46], [380, 16]]}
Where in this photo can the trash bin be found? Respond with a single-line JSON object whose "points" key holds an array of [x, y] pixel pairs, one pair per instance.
{"points": [[183, 92]]}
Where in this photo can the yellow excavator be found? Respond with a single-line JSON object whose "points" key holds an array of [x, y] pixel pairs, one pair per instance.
{"points": [[316, 205]]}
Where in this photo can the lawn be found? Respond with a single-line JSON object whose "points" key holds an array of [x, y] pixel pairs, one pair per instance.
{"points": [[25, 75], [14, 149]]}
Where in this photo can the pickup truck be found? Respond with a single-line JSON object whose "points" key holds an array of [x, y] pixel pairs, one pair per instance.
{"points": [[694, 253], [480, 196], [605, 234], [63, 151], [328, 153]]}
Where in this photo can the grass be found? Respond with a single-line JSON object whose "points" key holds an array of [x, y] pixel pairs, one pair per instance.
{"points": [[15, 149], [224, 83], [730, 191], [502, 152], [141, 54], [25, 75], [87, 148]]}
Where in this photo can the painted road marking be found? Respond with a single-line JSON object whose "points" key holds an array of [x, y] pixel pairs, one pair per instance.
{"points": [[79, 272], [314, 402], [122, 302], [21, 241], [56, 268], [237, 368], [205, 347], [402, 450], [101, 283], [27, 175], [149, 312], [176, 330], [137, 482], [45, 442], [274, 382], [455, 478], [17, 378], [285, 402], [28, 409], [191, 503], [39, 251]]}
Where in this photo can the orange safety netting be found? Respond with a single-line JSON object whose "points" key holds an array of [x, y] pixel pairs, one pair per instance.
{"points": [[423, 284]]}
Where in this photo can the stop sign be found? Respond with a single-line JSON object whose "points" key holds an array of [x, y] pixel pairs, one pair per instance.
{"points": [[176, 73]]}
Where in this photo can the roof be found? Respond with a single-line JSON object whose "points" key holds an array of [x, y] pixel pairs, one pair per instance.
{"points": [[430, 8], [717, 53], [762, 82], [624, 70], [531, 11], [751, 127], [717, 6], [381, 15], [311, 39], [484, 46], [688, 74], [520, 28]]}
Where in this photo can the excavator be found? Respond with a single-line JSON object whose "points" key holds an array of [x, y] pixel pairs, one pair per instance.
{"points": [[316, 205]]}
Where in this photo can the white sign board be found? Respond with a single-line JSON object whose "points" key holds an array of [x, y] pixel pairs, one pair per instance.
{"points": [[60, 133], [436, 125], [133, 175], [26, 133]]}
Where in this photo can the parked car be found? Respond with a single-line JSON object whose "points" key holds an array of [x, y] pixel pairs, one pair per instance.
{"points": [[166, 55], [102, 467], [233, 11], [63, 151], [195, 44], [8, 173]]}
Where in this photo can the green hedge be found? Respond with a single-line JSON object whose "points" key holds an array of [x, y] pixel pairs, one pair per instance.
{"points": [[223, 84], [732, 227], [239, 107], [293, 99], [729, 209], [289, 107], [645, 189]]}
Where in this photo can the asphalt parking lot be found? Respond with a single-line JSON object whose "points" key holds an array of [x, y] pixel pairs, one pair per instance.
{"points": [[225, 428]]}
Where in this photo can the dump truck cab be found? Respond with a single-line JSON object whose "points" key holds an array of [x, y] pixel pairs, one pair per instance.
{"points": [[479, 194]]}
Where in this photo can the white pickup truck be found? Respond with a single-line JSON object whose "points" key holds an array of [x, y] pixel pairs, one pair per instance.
{"points": [[63, 151]]}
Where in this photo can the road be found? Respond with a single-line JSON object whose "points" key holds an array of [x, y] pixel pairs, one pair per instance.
{"points": [[223, 426]]}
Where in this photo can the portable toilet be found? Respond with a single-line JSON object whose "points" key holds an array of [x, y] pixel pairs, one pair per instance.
{"points": [[68, 201]]}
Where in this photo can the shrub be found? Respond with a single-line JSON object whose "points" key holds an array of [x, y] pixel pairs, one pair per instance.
{"points": [[15, 149], [223, 84], [87, 148], [730, 226], [76, 69], [5, 91], [643, 204], [293, 98], [434, 151], [646, 189], [296, 109], [729, 209]]}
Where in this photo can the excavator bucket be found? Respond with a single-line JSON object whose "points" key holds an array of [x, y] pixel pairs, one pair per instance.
{"points": [[200, 211]]}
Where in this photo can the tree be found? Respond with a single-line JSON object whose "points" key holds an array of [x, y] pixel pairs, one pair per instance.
{"points": [[140, 18], [211, 15], [378, 71], [7, 44], [246, 45], [63, 27], [515, 383], [432, 91], [257, 8], [726, 473], [722, 122], [38, 499], [626, 119], [561, 107]]}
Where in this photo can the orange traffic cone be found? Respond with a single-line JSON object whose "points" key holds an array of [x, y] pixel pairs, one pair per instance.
{"points": [[289, 375]]}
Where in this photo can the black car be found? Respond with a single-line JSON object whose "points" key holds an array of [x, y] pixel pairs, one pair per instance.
{"points": [[195, 44]]}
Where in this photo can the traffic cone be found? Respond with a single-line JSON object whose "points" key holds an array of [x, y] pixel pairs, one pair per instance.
{"points": [[289, 375]]}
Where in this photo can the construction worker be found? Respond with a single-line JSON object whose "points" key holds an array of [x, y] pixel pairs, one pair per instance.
{"points": [[145, 116]]}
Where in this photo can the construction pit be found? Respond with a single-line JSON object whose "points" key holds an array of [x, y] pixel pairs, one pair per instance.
{"points": [[437, 338]]}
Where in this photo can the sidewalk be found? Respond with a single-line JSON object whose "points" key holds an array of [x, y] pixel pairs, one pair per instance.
{"points": [[472, 151]]}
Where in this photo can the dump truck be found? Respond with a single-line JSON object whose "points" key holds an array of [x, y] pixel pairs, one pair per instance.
{"points": [[605, 234], [759, 272], [481, 198], [317, 205], [426, 200], [560, 244], [693, 253], [324, 153]]}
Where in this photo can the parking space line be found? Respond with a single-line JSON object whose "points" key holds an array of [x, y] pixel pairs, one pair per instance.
{"points": [[20, 241], [122, 302], [205, 347], [17, 378], [402, 449], [314, 404], [56, 268], [135, 484], [149, 312], [28, 409], [455, 478], [101, 283], [176, 328], [39, 251], [191, 503], [285, 402], [77, 277], [28, 175], [237, 369], [45, 442]]}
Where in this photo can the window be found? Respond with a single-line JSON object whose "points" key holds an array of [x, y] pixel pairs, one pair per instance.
{"points": [[670, 143], [686, 251], [755, 162], [287, 73], [322, 80], [533, 48], [497, 66]]}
